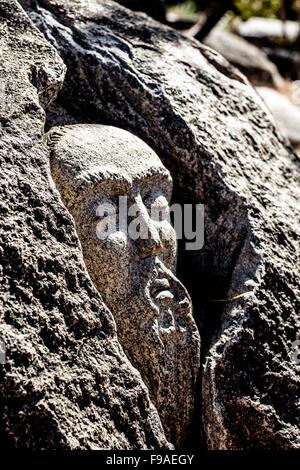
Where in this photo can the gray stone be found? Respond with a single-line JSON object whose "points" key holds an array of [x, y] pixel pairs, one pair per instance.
{"points": [[269, 28], [92, 166], [249, 59], [287, 115], [220, 143], [66, 382]]}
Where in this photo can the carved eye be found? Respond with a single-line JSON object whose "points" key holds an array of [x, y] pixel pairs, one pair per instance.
{"points": [[106, 208], [158, 207]]}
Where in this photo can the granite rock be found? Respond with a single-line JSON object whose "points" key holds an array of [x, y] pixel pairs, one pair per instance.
{"points": [[249, 59], [222, 147], [66, 382], [118, 192], [287, 114]]}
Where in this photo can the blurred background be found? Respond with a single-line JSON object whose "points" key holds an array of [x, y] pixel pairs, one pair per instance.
{"points": [[260, 37]]}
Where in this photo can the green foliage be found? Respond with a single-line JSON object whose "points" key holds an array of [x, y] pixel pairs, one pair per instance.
{"points": [[247, 8], [187, 9], [265, 8]]}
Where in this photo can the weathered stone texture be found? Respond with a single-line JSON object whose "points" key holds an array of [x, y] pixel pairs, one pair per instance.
{"points": [[67, 383], [92, 166], [249, 59], [222, 147], [286, 113]]}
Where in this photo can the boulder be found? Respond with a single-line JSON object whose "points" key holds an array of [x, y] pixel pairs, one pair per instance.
{"points": [[65, 382], [287, 114], [249, 59], [269, 31], [223, 149]]}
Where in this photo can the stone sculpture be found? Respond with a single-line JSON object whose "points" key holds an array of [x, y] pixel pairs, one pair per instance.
{"points": [[93, 166]]}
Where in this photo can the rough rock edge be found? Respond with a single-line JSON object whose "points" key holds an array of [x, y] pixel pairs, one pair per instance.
{"points": [[67, 383], [240, 170]]}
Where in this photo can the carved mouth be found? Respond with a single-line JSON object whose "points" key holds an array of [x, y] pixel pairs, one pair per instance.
{"points": [[160, 290]]}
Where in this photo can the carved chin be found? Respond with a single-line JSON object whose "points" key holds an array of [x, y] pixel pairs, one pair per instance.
{"points": [[171, 303], [159, 336], [166, 351]]}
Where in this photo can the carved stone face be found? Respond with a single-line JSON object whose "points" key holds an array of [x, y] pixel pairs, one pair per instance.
{"points": [[92, 167]]}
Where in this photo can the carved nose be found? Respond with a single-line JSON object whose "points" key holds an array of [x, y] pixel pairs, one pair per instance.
{"points": [[152, 244]]}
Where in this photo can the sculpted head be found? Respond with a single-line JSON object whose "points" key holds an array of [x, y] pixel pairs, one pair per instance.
{"points": [[93, 166]]}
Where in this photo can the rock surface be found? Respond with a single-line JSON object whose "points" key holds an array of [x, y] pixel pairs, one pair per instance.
{"points": [[265, 31], [219, 141], [287, 115], [67, 383], [249, 59], [93, 166]]}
